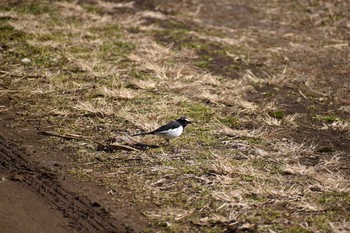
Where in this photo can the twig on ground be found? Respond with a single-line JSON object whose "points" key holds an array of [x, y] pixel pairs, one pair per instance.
{"points": [[109, 147]]}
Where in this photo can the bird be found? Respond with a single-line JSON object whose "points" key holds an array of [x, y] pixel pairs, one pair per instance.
{"points": [[169, 131]]}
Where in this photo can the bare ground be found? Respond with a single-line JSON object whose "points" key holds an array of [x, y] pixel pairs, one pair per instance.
{"points": [[267, 83], [39, 196]]}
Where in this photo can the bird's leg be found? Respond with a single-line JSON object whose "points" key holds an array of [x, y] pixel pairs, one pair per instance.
{"points": [[172, 148]]}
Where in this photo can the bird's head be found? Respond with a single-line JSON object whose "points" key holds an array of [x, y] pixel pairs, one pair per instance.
{"points": [[184, 121]]}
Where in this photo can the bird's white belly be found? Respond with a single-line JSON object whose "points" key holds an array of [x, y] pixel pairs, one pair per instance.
{"points": [[171, 133]]}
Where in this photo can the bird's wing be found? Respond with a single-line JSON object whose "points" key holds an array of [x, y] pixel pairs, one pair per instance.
{"points": [[171, 125]]}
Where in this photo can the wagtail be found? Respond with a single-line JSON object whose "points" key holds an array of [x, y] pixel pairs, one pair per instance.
{"points": [[169, 131]]}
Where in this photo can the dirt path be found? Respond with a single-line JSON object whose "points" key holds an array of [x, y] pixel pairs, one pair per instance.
{"points": [[16, 205], [35, 198]]}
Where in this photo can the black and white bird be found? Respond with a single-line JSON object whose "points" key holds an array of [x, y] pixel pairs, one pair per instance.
{"points": [[169, 131]]}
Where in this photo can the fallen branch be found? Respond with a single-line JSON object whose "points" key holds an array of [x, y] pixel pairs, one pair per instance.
{"points": [[100, 146], [65, 136]]}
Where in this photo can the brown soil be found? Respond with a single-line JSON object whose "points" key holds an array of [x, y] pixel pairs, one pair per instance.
{"points": [[36, 178]]}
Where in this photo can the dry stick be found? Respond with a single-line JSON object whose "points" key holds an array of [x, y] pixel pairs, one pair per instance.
{"points": [[81, 137], [3, 72], [302, 94], [9, 90], [66, 136]]}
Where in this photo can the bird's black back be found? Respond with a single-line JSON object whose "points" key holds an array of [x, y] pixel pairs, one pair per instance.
{"points": [[173, 125], [169, 126], [182, 122]]}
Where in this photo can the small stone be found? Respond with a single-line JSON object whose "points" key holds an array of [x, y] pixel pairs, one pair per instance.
{"points": [[26, 60]]}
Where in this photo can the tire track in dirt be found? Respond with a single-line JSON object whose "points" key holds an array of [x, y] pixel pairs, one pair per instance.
{"points": [[82, 214]]}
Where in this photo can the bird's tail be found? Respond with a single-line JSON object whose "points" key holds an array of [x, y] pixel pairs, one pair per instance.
{"points": [[139, 134]]}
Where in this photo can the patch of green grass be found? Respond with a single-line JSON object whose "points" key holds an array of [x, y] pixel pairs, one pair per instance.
{"points": [[255, 141], [8, 34], [30, 7], [82, 49], [81, 174], [179, 35], [139, 74], [40, 55], [211, 55], [313, 107], [277, 114], [57, 36], [92, 8], [173, 25], [206, 138], [230, 121], [248, 178], [114, 49], [46, 56], [321, 222], [294, 229], [110, 30], [261, 164], [45, 37], [326, 119], [216, 33], [335, 200], [252, 196], [197, 111], [214, 56], [270, 215]]}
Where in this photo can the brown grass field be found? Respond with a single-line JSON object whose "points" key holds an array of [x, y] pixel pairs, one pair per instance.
{"points": [[267, 84]]}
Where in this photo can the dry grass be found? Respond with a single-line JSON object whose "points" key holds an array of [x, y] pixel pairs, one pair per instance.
{"points": [[220, 174]]}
